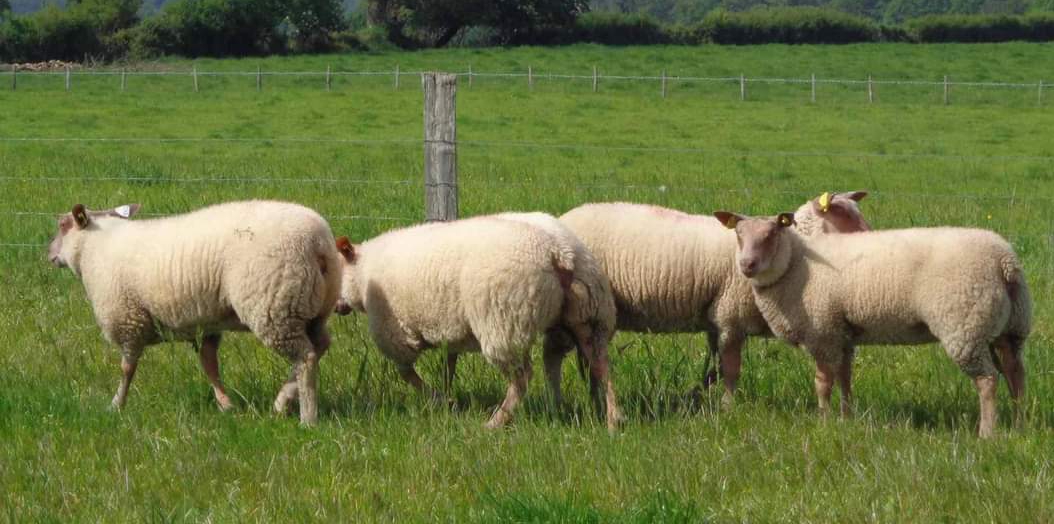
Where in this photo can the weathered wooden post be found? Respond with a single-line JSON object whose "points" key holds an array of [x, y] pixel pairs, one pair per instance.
{"points": [[594, 79], [664, 84], [945, 89], [440, 146], [742, 87], [813, 97], [329, 78], [870, 90], [396, 77], [67, 78]]}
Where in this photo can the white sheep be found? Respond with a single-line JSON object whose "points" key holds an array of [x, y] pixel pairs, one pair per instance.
{"points": [[588, 318], [962, 287], [268, 267], [672, 272], [483, 284]]}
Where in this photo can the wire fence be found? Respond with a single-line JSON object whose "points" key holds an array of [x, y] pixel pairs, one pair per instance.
{"points": [[530, 75], [1012, 197]]}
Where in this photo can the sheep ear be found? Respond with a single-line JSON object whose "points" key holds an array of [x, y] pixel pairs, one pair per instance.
{"points": [[347, 250], [80, 216], [856, 195], [786, 219], [728, 219], [125, 211]]}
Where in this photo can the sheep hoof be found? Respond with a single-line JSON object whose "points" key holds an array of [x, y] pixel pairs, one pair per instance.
{"points": [[225, 404]]}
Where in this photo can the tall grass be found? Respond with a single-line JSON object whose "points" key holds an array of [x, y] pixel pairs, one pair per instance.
{"points": [[382, 452]]}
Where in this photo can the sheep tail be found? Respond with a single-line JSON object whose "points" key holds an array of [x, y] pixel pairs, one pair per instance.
{"points": [[563, 261], [1020, 323]]}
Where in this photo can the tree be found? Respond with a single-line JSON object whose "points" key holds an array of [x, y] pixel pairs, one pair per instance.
{"points": [[313, 21], [434, 23]]}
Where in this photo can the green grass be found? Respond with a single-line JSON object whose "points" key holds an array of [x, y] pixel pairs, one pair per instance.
{"points": [[383, 453]]}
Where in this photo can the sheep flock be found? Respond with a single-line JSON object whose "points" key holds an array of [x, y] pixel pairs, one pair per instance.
{"points": [[820, 278]]}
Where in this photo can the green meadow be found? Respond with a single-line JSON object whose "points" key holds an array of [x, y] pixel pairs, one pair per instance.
{"points": [[354, 153]]}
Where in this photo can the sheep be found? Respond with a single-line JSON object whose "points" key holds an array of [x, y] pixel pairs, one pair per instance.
{"points": [[964, 288], [480, 284], [587, 320], [268, 267], [672, 272]]}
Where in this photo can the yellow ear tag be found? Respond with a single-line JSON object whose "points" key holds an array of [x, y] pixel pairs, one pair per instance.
{"points": [[825, 201], [785, 221]]}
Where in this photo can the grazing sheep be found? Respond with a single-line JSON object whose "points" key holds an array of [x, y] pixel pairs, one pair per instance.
{"points": [[962, 287], [588, 318], [673, 272], [481, 284], [268, 267]]}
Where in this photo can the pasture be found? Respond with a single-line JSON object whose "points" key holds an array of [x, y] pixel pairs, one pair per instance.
{"points": [[381, 452]]}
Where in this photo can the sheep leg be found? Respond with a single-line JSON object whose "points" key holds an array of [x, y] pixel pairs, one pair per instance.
{"points": [[1009, 364], [845, 382], [713, 343], [307, 385], [210, 364], [287, 393], [600, 377], [451, 370], [731, 347], [518, 379], [555, 347], [129, 363], [409, 374], [825, 376], [986, 392]]}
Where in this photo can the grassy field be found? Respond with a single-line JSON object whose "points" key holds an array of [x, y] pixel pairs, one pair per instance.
{"points": [[383, 453]]}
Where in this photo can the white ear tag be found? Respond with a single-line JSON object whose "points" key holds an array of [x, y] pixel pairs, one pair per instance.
{"points": [[124, 211]]}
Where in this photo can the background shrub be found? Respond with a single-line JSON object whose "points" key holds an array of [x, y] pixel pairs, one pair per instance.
{"points": [[613, 28], [791, 25]]}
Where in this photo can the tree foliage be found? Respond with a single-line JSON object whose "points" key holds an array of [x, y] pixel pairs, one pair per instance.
{"points": [[434, 23]]}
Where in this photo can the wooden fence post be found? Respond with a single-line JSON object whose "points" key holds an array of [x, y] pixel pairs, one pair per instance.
{"points": [[742, 87], [870, 90], [68, 78], [440, 119], [594, 79], [945, 89], [813, 96], [259, 79], [194, 72], [396, 77], [329, 78], [663, 83], [530, 78]]}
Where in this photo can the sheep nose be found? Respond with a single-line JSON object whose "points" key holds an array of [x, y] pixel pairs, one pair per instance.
{"points": [[342, 308], [748, 267]]}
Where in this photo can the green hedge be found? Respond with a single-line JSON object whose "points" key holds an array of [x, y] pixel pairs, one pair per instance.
{"points": [[1037, 27], [620, 29], [790, 25]]}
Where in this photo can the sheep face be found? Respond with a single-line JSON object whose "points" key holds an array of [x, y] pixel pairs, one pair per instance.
{"points": [[839, 212], [62, 248], [759, 242], [350, 280]]}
